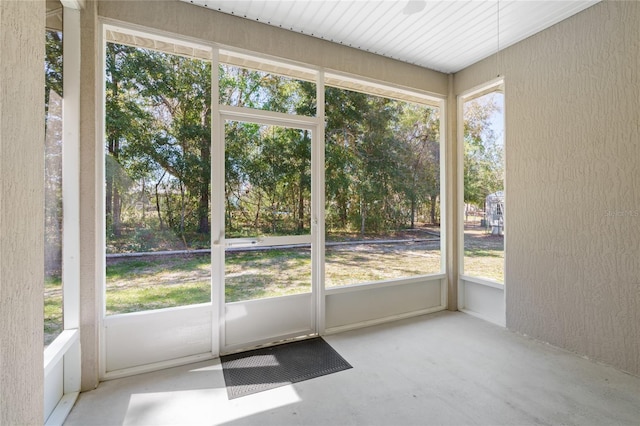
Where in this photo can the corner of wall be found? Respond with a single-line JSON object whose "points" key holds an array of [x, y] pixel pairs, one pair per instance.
{"points": [[572, 97], [89, 106], [453, 261]]}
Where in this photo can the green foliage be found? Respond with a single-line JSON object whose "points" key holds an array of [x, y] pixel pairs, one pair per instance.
{"points": [[268, 183], [382, 155], [483, 153], [158, 136], [53, 323], [53, 64], [382, 162], [53, 152]]}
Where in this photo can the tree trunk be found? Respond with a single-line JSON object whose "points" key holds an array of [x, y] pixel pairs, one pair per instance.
{"points": [[158, 202], [203, 210], [112, 202], [433, 208], [256, 221], [170, 217], [108, 204], [116, 212], [301, 203], [229, 220], [362, 216], [144, 207], [344, 213], [275, 208], [183, 209], [203, 203], [413, 212]]}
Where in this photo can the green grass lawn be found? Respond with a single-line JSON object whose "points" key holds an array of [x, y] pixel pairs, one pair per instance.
{"points": [[270, 273], [134, 285], [483, 254], [137, 284], [346, 266], [52, 308], [484, 264]]}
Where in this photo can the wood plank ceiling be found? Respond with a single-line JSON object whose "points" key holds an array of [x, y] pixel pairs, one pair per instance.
{"points": [[445, 36]]}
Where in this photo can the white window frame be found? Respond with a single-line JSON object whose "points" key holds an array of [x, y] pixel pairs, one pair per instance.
{"points": [[480, 297], [62, 363], [373, 88], [142, 319], [436, 283]]}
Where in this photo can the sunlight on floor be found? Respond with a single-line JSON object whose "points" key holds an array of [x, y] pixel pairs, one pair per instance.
{"points": [[186, 406]]}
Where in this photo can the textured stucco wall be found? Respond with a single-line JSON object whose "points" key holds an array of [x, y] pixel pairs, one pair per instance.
{"points": [[573, 182], [21, 211], [204, 24], [90, 196]]}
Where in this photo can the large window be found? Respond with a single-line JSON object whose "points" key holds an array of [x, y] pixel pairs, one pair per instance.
{"points": [[382, 165], [382, 186], [267, 198], [484, 196], [53, 321], [61, 211], [158, 176], [247, 88]]}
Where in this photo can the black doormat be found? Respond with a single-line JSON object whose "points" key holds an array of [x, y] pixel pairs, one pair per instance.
{"points": [[267, 368]]}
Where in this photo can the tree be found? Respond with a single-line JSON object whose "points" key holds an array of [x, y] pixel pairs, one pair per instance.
{"points": [[381, 155], [53, 65], [420, 129], [380, 164], [268, 168], [483, 152], [126, 127], [343, 114], [158, 128], [382, 161], [53, 152], [179, 91]]}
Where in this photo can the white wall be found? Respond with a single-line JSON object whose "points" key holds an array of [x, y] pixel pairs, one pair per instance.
{"points": [[572, 101], [21, 196]]}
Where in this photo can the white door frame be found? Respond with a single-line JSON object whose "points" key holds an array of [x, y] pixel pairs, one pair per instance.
{"points": [[246, 324]]}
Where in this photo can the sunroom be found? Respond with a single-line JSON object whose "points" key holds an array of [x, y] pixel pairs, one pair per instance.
{"points": [[218, 181]]}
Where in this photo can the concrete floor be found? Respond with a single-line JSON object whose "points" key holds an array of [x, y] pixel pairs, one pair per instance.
{"points": [[447, 369]]}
